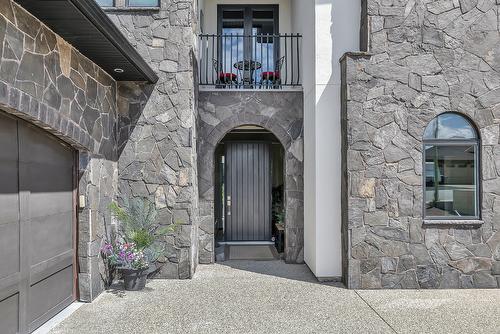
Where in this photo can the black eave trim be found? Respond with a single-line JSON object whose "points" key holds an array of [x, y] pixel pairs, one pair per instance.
{"points": [[93, 12]]}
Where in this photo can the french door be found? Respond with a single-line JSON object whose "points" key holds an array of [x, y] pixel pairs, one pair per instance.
{"points": [[248, 34]]}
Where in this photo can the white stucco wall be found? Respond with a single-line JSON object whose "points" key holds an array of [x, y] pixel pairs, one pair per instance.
{"points": [[334, 32], [337, 31], [302, 16], [210, 12]]}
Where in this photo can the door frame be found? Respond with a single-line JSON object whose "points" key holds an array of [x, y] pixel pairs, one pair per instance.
{"points": [[247, 17], [76, 205], [224, 202]]}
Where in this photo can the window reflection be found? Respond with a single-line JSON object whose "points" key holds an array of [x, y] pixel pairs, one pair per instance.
{"points": [[450, 126], [143, 3], [105, 3], [450, 180]]}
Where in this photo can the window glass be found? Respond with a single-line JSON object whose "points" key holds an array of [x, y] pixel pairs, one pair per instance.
{"points": [[233, 23], [450, 180], [450, 126], [451, 168], [105, 3], [143, 3], [263, 24]]}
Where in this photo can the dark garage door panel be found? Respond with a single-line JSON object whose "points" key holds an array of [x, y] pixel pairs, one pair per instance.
{"points": [[49, 296], [36, 281], [9, 204], [9, 259], [9, 314], [50, 228]]}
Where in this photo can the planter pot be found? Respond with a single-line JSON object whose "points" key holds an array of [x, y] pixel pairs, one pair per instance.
{"points": [[134, 280]]}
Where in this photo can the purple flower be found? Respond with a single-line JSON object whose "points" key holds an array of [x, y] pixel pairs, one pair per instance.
{"points": [[124, 255]]}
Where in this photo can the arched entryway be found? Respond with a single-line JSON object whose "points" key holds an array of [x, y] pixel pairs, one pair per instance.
{"points": [[288, 132], [249, 210]]}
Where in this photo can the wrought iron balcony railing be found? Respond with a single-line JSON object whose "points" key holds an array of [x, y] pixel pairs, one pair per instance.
{"points": [[250, 61]]}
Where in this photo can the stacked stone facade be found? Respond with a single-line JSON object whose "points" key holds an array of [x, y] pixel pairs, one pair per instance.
{"points": [[156, 126], [424, 58], [46, 81], [133, 139], [281, 113], [157, 141], [139, 140]]}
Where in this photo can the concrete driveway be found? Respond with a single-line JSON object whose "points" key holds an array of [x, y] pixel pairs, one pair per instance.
{"points": [[272, 297]]}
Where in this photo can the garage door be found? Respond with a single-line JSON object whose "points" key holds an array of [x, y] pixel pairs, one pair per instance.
{"points": [[36, 226]]}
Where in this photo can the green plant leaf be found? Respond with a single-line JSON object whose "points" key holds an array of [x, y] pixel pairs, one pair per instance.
{"points": [[142, 239], [138, 225], [119, 213]]}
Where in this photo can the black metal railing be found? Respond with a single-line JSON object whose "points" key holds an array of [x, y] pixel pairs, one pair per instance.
{"points": [[250, 61]]}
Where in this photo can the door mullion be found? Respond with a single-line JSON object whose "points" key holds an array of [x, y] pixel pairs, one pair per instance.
{"points": [[247, 41]]}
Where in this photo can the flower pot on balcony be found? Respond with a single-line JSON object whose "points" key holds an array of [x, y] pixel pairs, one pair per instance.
{"points": [[134, 279]]}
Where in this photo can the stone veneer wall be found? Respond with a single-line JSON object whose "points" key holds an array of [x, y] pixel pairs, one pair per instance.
{"points": [[425, 58], [280, 112], [45, 81], [157, 155]]}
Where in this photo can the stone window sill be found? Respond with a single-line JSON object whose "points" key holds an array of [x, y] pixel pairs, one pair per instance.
{"points": [[453, 222]]}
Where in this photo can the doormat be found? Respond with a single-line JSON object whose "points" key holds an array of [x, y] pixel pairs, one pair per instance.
{"points": [[251, 252]]}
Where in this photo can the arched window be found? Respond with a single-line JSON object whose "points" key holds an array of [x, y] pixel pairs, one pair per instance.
{"points": [[451, 173]]}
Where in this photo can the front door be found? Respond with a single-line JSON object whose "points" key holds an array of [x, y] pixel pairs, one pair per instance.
{"points": [[248, 191]]}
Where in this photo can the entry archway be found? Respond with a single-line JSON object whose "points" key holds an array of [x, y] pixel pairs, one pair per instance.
{"points": [[249, 188], [292, 141]]}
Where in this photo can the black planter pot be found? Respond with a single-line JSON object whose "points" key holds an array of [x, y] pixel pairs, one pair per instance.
{"points": [[134, 279]]}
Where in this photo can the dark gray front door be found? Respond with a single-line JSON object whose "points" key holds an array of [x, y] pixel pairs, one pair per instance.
{"points": [[248, 191], [36, 226]]}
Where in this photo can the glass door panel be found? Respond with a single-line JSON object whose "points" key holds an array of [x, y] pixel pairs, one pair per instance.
{"points": [[232, 43], [264, 42]]}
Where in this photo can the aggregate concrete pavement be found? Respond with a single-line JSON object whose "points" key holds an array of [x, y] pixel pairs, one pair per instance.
{"points": [[274, 297], [437, 311]]}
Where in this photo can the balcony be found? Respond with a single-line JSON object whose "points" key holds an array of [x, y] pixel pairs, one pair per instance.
{"points": [[259, 61]]}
